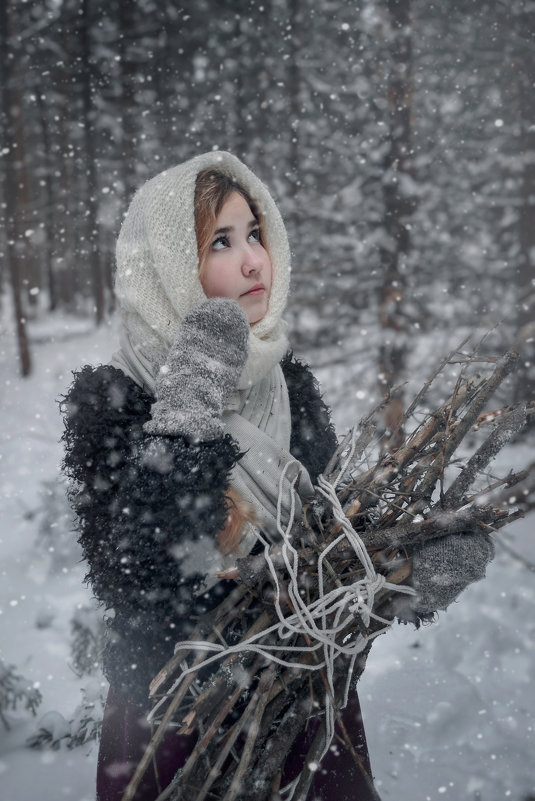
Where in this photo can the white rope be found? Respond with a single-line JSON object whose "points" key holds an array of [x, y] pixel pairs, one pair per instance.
{"points": [[339, 605]]}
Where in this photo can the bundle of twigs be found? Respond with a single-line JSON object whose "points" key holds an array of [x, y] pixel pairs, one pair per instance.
{"points": [[303, 615]]}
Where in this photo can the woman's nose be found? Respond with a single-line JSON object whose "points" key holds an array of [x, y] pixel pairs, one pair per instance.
{"points": [[252, 261]]}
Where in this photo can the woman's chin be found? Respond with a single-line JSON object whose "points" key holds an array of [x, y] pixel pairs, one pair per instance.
{"points": [[254, 311]]}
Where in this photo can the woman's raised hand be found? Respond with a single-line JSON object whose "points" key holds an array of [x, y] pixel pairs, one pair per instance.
{"points": [[444, 567], [201, 371]]}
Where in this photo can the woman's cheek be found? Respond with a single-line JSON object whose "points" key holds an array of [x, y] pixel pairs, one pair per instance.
{"points": [[215, 282]]}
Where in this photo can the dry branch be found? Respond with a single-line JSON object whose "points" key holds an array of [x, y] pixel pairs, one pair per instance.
{"points": [[257, 705]]}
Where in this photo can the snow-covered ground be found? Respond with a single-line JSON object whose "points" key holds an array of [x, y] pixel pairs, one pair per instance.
{"points": [[449, 709]]}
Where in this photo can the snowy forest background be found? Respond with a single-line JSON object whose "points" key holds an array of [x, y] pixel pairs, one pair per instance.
{"points": [[398, 137]]}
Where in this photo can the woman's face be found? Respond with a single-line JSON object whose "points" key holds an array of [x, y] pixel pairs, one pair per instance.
{"points": [[237, 265]]}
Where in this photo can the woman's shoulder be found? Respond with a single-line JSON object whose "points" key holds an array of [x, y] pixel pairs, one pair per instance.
{"points": [[103, 415], [102, 409], [313, 438], [300, 379], [105, 390]]}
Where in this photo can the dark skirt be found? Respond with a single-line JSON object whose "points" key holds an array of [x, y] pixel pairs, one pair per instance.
{"points": [[125, 735]]}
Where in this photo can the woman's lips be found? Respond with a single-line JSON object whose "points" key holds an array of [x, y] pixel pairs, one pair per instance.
{"points": [[256, 290]]}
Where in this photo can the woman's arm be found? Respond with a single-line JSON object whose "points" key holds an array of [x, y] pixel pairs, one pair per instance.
{"points": [[443, 568], [146, 504]]}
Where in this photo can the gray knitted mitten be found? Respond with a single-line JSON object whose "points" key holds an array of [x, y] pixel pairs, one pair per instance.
{"points": [[443, 568], [201, 371]]}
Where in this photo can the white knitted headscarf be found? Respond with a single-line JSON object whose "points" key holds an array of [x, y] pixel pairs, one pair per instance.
{"points": [[157, 279]]}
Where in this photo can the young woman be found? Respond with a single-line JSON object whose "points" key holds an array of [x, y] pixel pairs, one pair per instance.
{"points": [[177, 447]]}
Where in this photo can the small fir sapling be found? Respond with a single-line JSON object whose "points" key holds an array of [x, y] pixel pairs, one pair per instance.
{"points": [[87, 640], [15, 691], [86, 722], [83, 727], [55, 527]]}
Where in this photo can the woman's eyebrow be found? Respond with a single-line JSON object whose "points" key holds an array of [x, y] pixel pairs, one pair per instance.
{"points": [[228, 229]]}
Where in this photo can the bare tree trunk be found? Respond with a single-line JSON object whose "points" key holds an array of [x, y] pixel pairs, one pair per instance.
{"points": [[128, 104], [294, 87], [27, 267], [90, 157], [397, 207], [525, 380], [10, 111], [294, 92], [48, 216], [64, 245], [108, 268], [241, 96]]}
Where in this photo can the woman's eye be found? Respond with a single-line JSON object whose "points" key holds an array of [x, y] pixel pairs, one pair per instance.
{"points": [[255, 235], [220, 243]]}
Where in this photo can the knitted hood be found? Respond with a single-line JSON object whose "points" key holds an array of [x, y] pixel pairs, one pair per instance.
{"points": [[157, 279]]}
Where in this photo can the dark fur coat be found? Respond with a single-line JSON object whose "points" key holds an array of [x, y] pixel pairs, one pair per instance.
{"points": [[140, 500]]}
